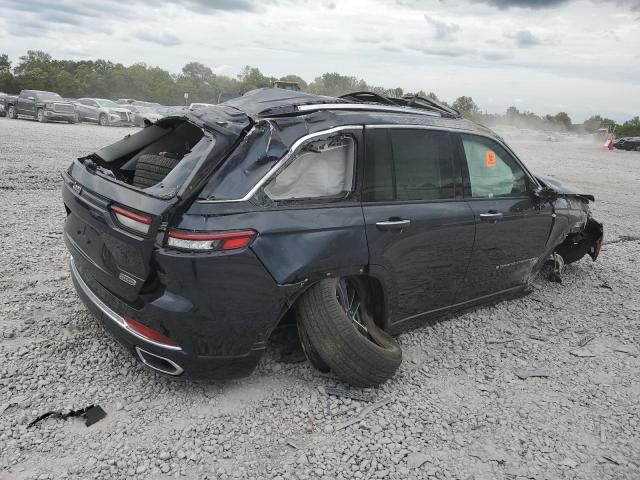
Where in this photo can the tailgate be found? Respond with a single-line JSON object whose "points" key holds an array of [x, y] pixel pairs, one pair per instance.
{"points": [[115, 256]]}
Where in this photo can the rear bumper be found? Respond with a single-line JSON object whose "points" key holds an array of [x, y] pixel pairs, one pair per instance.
{"points": [[143, 349]]}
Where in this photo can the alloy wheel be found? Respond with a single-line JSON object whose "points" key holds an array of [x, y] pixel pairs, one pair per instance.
{"points": [[350, 301]]}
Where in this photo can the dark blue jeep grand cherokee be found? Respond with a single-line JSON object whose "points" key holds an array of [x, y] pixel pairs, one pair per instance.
{"points": [[358, 216]]}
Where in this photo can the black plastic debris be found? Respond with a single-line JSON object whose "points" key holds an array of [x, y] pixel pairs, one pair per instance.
{"points": [[524, 374], [91, 414], [353, 395]]}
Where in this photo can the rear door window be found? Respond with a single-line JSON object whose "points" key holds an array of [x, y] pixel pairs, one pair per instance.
{"points": [[319, 169], [493, 172], [409, 165]]}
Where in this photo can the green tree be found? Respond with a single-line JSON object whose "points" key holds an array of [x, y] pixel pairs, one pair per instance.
{"points": [[251, 78], [335, 84], [466, 106]]}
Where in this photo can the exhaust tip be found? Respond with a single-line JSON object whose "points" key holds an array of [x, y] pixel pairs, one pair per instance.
{"points": [[158, 363]]}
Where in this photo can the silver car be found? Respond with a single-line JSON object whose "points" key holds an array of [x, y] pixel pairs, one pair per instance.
{"points": [[105, 112]]}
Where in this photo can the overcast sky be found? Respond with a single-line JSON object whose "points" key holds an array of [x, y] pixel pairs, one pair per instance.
{"points": [[580, 56]]}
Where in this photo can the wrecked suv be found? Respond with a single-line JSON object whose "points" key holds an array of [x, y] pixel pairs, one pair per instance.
{"points": [[356, 217]]}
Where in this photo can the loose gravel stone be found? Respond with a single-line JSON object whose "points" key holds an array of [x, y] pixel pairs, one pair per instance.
{"points": [[454, 410]]}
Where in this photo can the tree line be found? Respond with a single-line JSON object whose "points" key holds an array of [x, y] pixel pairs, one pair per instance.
{"points": [[37, 70]]}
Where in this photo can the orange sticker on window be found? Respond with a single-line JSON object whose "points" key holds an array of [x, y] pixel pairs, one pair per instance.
{"points": [[491, 159]]}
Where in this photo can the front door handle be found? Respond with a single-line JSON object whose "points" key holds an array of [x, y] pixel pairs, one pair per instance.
{"points": [[393, 224], [491, 217]]}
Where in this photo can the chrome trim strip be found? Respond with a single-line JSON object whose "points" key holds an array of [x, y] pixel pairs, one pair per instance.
{"points": [[364, 106], [109, 312], [283, 160], [178, 369]]}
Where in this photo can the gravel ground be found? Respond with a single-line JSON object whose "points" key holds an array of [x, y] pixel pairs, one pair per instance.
{"points": [[455, 410]]}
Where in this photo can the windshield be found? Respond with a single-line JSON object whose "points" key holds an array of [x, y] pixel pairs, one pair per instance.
{"points": [[108, 103], [48, 96]]}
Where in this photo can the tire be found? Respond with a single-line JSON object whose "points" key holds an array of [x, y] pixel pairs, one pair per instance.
{"points": [[12, 112], [40, 116], [358, 358], [103, 120], [310, 352], [151, 170]]}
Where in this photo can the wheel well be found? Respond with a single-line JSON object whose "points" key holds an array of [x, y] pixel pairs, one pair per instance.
{"points": [[375, 302]]}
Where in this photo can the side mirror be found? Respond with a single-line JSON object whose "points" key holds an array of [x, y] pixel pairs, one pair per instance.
{"points": [[545, 193]]}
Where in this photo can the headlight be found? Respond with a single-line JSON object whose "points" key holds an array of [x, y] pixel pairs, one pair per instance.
{"points": [[48, 105]]}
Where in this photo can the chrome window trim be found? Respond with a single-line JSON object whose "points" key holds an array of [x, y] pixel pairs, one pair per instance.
{"points": [[282, 161], [104, 308], [364, 106]]}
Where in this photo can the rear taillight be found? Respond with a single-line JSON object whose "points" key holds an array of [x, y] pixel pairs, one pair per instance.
{"points": [[208, 241], [137, 222], [149, 333]]}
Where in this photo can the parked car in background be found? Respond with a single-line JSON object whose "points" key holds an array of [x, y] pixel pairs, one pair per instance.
{"points": [[142, 113], [628, 143], [104, 112], [3, 111], [286, 85], [140, 103], [355, 217], [42, 106], [200, 105], [226, 96]]}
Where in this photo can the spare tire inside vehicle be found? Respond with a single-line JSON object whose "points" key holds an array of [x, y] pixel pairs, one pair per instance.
{"points": [[151, 169], [335, 318]]}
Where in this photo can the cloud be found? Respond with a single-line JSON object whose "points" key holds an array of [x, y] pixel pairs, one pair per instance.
{"points": [[28, 29], [374, 39], [445, 51], [217, 5], [539, 4], [442, 30], [164, 39], [524, 39], [495, 56]]}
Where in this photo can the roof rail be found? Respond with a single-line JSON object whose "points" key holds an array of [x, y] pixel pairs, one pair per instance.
{"points": [[410, 101], [365, 106]]}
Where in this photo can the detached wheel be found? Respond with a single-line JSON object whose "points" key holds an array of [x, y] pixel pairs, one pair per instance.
{"points": [[151, 170], [310, 352], [103, 120], [40, 116], [335, 317]]}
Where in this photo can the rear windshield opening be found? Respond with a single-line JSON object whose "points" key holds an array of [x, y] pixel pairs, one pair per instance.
{"points": [[145, 158]]}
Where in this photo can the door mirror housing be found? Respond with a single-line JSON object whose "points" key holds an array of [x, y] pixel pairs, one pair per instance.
{"points": [[545, 193]]}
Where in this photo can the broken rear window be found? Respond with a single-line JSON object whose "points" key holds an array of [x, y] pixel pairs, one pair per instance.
{"points": [[318, 169]]}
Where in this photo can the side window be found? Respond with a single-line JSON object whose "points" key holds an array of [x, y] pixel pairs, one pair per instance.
{"points": [[492, 171], [409, 164], [321, 168]]}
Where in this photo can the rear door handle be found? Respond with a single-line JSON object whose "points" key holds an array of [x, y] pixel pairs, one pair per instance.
{"points": [[491, 217], [393, 224]]}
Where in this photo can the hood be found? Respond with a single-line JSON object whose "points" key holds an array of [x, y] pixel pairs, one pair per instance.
{"points": [[563, 188]]}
